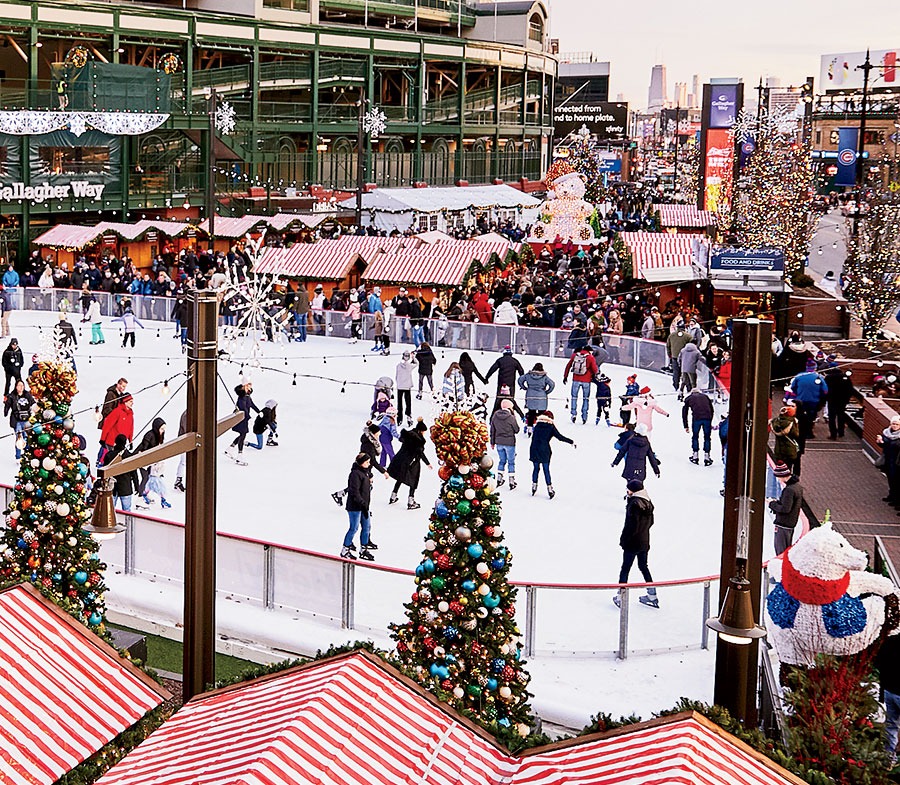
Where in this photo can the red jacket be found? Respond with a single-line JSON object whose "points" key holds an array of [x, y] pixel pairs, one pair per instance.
{"points": [[589, 373], [725, 375], [120, 420], [482, 307]]}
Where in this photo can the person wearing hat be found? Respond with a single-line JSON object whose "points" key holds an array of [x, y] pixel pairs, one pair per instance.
{"points": [[635, 540], [811, 392], [787, 435], [319, 305], [631, 390], [406, 467], [636, 452], [119, 421], [13, 360], [359, 495], [540, 452], [643, 407]]}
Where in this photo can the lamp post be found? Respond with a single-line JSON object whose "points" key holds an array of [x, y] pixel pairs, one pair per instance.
{"points": [[200, 509], [211, 169], [866, 68], [737, 649], [675, 171]]}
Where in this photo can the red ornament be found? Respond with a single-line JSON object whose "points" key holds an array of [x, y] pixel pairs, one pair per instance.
{"points": [[79, 487], [445, 472], [415, 596], [456, 608], [58, 433], [72, 593], [47, 582], [508, 673], [476, 647], [94, 578], [38, 452], [26, 503], [476, 481], [443, 561], [476, 503], [422, 629], [35, 545], [511, 609], [429, 643], [447, 685], [489, 531]]}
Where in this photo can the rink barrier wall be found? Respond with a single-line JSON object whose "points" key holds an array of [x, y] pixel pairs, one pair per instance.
{"points": [[342, 593]]}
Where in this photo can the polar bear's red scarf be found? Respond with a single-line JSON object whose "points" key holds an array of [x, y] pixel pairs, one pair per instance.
{"points": [[808, 589]]}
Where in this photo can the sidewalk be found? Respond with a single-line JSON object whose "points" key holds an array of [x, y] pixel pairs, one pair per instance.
{"points": [[838, 476]]}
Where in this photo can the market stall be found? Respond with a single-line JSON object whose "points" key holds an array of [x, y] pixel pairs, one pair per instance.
{"points": [[685, 217]]}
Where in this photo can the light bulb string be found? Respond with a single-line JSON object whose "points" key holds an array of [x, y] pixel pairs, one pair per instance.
{"points": [[160, 409]]}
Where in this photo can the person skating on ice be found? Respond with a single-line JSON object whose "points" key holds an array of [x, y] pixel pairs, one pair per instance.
{"points": [[359, 495], [370, 445], [604, 398], [537, 386], [426, 360], [643, 407], [243, 404], [631, 390], [406, 467], [635, 540], [583, 367], [404, 376], [503, 430], [636, 452], [508, 369], [700, 408], [130, 321], [540, 452]]}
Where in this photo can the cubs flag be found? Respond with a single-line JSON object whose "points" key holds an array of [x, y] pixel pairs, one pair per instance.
{"points": [[846, 157]]}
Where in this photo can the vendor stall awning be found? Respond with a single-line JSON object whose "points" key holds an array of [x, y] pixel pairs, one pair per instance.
{"points": [[326, 260], [75, 238], [746, 284], [64, 693], [354, 720], [660, 257], [228, 227], [441, 264], [685, 216]]}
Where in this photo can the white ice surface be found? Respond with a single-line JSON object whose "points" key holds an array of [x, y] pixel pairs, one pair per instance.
{"points": [[283, 496]]}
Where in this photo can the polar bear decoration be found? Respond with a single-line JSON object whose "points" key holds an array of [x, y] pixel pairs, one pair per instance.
{"points": [[824, 602], [565, 214]]}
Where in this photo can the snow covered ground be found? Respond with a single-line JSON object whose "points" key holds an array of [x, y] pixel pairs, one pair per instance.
{"points": [[283, 496]]}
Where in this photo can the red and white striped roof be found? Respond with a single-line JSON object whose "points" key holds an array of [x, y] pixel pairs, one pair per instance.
{"points": [[64, 693], [660, 256], [326, 260], [78, 237], [440, 264], [685, 216], [233, 228], [354, 720]]}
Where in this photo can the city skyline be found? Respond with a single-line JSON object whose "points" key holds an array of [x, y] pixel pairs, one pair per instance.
{"points": [[758, 43]]}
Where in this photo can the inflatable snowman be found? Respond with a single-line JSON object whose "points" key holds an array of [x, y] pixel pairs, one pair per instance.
{"points": [[565, 214], [824, 602]]}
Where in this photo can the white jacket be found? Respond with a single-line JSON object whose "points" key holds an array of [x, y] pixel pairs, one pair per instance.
{"points": [[506, 314]]}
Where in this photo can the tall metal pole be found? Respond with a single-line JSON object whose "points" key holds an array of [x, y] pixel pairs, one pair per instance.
{"points": [[744, 519], [211, 172], [759, 100], [675, 172], [360, 156], [866, 68], [200, 508]]}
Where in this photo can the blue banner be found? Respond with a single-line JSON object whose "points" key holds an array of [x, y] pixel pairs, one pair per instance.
{"points": [[723, 106], [747, 259], [846, 156]]}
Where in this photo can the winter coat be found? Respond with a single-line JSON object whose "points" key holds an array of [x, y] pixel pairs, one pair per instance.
{"points": [[454, 386], [604, 393], [12, 359], [265, 418], [467, 366], [712, 359], [638, 520], [359, 489], [301, 302], [93, 314], [370, 445], [404, 374], [787, 432], [406, 465], [636, 452], [699, 405], [129, 320], [506, 314], [110, 402], [537, 386], [724, 375], [688, 358], [122, 484], [810, 389], [482, 307], [840, 389], [244, 404], [120, 420], [890, 447], [676, 342], [787, 508], [504, 427], [590, 370], [388, 431], [648, 328], [18, 407], [544, 431], [426, 360], [507, 369], [643, 407], [153, 437]]}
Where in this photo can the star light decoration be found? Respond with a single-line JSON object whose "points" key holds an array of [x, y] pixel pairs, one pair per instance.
{"points": [[257, 305], [781, 121], [226, 118], [374, 122]]}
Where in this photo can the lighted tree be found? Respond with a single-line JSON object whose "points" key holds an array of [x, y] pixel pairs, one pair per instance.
{"points": [[585, 159], [871, 284], [43, 541], [460, 640], [776, 185], [688, 172]]}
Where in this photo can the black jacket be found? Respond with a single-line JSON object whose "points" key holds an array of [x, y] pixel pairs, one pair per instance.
{"points": [[787, 508], [508, 368], [426, 360], [699, 405], [18, 407], [123, 484], [638, 520], [840, 389], [406, 465], [888, 663], [153, 437], [367, 446], [467, 366], [13, 359], [359, 489]]}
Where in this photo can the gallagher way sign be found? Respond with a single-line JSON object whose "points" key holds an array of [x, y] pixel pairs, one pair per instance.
{"points": [[745, 260], [77, 189]]}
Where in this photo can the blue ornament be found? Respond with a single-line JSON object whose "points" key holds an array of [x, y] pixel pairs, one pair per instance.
{"points": [[449, 658], [456, 482], [37, 428], [20, 543], [32, 516], [441, 509], [433, 669], [475, 550], [518, 652], [451, 633], [491, 601], [492, 684], [428, 565], [498, 564], [504, 721], [497, 665], [443, 672], [502, 550], [57, 577], [81, 577], [66, 484], [94, 557], [34, 577], [95, 619], [39, 492], [420, 570], [57, 419], [467, 585], [82, 470]]}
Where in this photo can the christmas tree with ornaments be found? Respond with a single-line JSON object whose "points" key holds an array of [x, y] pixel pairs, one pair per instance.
{"points": [[44, 541], [460, 640]]}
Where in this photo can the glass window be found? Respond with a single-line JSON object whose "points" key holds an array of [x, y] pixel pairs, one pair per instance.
{"points": [[423, 223], [75, 160], [287, 5], [433, 222], [536, 28]]}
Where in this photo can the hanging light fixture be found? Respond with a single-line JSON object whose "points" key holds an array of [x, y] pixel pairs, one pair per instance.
{"points": [[103, 525], [735, 623]]}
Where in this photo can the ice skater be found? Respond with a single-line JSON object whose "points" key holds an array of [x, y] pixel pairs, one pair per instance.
{"points": [[643, 408], [404, 376], [540, 452], [636, 452], [635, 540], [359, 494], [130, 321], [243, 404], [504, 427], [387, 433], [94, 317], [700, 407], [406, 467], [426, 361], [631, 390], [584, 368], [604, 398], [266, 421]]}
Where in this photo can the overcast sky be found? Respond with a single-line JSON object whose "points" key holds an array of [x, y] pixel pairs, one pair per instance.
{"points": [[719, 38]]}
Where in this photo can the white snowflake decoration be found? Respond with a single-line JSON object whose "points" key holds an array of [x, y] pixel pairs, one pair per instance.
{"points": [[374, 122], [77, 124], [226, 118], [781, 121]]}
